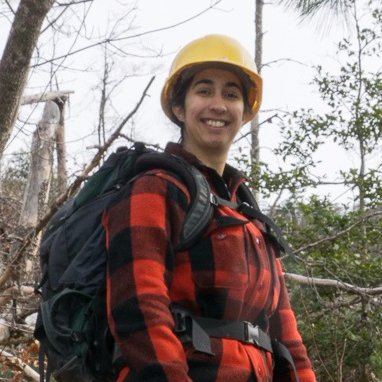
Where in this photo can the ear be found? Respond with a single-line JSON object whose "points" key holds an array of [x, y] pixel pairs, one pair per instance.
{"points": [[178, 112], [247, 117]]}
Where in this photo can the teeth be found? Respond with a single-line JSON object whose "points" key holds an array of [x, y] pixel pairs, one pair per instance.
{"points": [[215, 123]]}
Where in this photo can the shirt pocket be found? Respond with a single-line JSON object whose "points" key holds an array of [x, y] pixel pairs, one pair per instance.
{"points": [[220, 258]]}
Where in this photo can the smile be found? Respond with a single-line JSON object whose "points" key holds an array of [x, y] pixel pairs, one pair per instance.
{"points": [[214, 122]]}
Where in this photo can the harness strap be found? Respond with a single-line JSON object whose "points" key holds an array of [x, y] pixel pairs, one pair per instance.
{"points": [[253, 213], [282, 354], [243, 331], [198, 330]]}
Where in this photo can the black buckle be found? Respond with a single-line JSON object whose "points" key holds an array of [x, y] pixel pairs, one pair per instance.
{"points": [[246, 209], [180, 316]]}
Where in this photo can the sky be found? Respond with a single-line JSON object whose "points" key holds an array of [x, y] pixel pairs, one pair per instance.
{"points": [[291, 49]]}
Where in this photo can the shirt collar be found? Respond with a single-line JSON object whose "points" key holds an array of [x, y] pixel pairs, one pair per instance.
{"points": [[231, 176]]}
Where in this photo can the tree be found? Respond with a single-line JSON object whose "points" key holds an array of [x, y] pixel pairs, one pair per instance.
{"points": [[310, 8], [14, 65], [255, 125], [352, 121]]}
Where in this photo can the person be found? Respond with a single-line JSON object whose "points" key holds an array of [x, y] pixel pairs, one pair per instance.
{"points": [[230, 275]]}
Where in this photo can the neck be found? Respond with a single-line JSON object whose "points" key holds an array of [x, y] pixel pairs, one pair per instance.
{"points": [[212, 158]]}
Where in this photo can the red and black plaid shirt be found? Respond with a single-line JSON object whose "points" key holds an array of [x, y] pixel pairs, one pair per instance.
{"points": [[226, 275]]}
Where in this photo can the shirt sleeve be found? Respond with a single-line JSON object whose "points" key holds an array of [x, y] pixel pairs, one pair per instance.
{"points": [[283, 326], [141, 230]]}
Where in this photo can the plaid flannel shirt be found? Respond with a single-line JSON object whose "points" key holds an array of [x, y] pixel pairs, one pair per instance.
{"points": [[228, 274]]}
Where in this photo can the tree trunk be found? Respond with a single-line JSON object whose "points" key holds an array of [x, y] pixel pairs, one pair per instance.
{"points": [[255, 150], [14, 65], [62, 175], [37, 189]]}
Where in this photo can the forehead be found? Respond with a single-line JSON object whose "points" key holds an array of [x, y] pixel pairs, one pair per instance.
{"points": [[215, 75]]}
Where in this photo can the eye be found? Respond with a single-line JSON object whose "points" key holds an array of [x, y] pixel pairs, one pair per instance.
{"points": [[233, 94], [203, 91]]}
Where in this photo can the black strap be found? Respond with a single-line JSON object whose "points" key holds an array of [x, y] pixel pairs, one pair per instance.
{"points": [[253, 213], [199, 329], [41, 359], [243, 331], [282, 354]]}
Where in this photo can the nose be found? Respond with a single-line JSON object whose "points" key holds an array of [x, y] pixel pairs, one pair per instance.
{"points": [[218, 105]]}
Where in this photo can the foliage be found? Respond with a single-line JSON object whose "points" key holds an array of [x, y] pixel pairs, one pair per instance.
{"points": [[342, 330], [13, 180], [352, 121]]}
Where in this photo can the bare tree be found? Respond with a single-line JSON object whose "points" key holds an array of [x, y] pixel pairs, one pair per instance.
{"points": [[255, 125], [14, 65]]}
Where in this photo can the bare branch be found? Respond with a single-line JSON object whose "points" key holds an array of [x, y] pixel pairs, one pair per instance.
{"points": [[338, 234], [261, 123], [269, 63], [110, 40], [10, 7], [48, 96], [314, 281], [72, 3]]}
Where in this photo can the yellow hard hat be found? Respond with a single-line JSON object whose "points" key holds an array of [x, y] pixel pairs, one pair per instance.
{"points": [[214, 50]]}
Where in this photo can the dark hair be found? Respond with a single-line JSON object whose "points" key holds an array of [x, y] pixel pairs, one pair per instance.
{"points": [[178, 98]]}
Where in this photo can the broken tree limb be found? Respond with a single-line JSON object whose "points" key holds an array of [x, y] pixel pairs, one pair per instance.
{"points": [[315, 281], [29, 236], [48, 96], [41, 163], [20, 365]]}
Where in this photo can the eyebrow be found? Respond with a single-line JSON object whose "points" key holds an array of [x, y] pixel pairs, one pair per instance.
{"points": [[210, 82]]}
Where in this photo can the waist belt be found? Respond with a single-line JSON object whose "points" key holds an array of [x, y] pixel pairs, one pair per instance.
{"points": [[197, 331]]}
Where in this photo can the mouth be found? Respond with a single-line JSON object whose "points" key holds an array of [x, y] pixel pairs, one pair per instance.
{"points": [[214, 122]]}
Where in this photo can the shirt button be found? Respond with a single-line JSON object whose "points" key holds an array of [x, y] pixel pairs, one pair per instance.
{"points": [[221, 236]]}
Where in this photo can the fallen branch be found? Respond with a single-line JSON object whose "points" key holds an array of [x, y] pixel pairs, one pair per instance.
{"points": [[20, 365], [314, 281], [69, 191]]}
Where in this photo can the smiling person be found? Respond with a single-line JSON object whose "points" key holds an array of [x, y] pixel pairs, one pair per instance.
{"points": [[219, 309]]}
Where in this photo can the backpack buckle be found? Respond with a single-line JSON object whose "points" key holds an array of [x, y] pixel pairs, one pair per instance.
{"points": [[253, 334], [180, 315], [213, 199]]}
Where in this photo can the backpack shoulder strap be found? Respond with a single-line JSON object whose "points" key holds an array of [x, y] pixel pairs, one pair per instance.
{"points": [[246, 196], [201, 209], [248, 206]]}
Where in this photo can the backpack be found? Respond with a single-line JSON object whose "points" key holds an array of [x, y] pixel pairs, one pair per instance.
{"points": [[72, 323]]}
